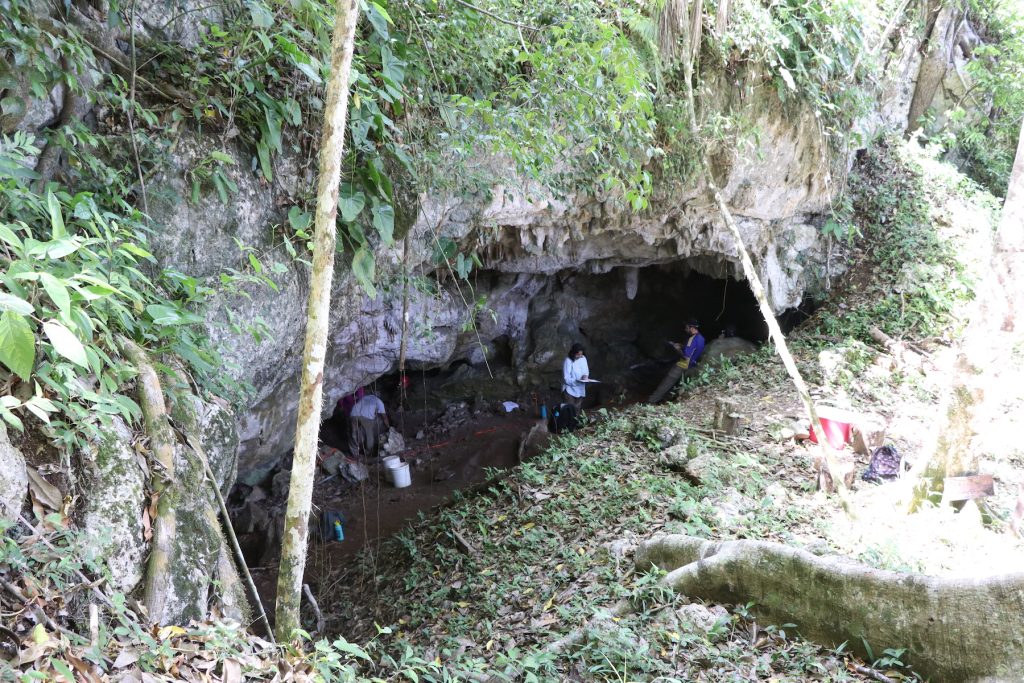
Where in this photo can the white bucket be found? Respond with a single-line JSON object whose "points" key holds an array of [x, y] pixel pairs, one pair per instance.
{"points": [[389, 463], [400, 476]]}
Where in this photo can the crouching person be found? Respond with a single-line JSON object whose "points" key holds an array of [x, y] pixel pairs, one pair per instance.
{"points": [[689, 354], [367, 421]]}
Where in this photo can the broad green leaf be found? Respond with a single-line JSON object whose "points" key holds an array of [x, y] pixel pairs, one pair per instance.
{"points": [[261, 16], [379, 19], [57, 292], [351, 205], [56, 218], [9, 302], [364, 267], [42, 415], [9, 236], [384, 222], [61, 248], [298, 219], [11, 419], [66, 343], [164, 315], [17, 344]]}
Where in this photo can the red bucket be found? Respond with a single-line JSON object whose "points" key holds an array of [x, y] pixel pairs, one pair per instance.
{"points": [[837, 426]]}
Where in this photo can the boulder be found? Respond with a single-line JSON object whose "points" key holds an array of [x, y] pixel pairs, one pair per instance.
{"points": [[13, 478], [701, 468], [677, 457], [727, 347], [115, 482], [701, 617]]}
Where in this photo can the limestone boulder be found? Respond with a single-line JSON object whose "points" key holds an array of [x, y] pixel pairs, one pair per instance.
{"points": [[13, 478], [730, 347], [114, 479]]}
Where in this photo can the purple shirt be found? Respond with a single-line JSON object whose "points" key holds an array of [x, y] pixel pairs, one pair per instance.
{"points": [[693, 350]]}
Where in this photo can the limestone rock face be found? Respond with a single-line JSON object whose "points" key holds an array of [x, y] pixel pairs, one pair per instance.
{"points": [[116, 477], [112, 520], [13, 478], [531, 243]]}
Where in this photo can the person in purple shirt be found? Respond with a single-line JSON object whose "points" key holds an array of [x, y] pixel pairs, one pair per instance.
{"points": [[689, 353]]}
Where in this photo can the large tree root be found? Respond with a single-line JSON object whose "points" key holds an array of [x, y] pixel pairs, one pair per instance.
{"points": [[954, 629], [158, 591]]}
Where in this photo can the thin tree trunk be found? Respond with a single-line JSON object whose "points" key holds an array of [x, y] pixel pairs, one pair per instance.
{"points": [[758, 290], [332, 145], [157, 588]]}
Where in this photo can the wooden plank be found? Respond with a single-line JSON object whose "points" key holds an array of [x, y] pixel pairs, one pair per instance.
{"points": [[967, 488]]}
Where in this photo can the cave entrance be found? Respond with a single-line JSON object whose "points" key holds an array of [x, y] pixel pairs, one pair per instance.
{"points": [[455, 431]]}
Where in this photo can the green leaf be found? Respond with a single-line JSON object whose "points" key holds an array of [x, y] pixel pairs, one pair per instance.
{"points": [[222, 157], [298, 219], [57, 292], [351, 205], [56, 218], [17, 344], [9, 236], [263, 152], [379, 19], [9, 302], [261, 16], [138, 251], [273, 129], [61, 248], [11, 419], [66, 343], [384, 222], [363, 267]]}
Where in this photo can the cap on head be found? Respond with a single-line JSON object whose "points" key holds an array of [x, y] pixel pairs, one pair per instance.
{"points": [[692, 322]]}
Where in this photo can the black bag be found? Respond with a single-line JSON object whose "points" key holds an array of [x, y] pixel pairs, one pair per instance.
{"points": [[327, 520], [564, 418], [885, 465]]}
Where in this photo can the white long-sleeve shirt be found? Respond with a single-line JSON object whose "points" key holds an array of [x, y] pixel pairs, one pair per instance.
{"points": [[572, 371]]}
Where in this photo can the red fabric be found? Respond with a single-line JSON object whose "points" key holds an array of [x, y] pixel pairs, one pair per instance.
{"points": [[346, 402]]}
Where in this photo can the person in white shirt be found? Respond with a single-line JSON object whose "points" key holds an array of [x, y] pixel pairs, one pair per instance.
{"points": [[575, 369], [366, 421]]}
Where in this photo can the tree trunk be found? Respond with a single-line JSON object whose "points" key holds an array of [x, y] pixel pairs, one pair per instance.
{"points": [[933, 63], [757, 289], [954, 629], [332, 144], [987, 345]]}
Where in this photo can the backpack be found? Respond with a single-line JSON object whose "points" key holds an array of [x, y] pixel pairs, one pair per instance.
{"points": [[564, 418], [327, 519], [886, 464]]}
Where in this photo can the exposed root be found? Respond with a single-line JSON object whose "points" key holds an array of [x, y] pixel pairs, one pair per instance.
{"points": [[953, 629], [157, 589]]}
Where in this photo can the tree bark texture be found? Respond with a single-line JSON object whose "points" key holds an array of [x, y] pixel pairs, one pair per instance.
{"points": [[332, 145], [157, 590], [934, 61], [954, 629], [755, 284], [988, 342]]}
